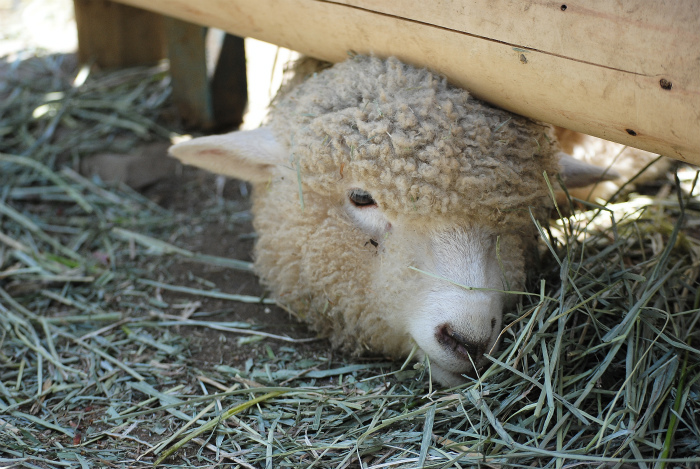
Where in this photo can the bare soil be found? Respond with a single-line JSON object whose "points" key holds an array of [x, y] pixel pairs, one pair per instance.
{"points": [[188, 193]]}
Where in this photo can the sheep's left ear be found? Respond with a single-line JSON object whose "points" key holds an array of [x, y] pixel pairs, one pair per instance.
{"points": [[576, 173], [248, 154]]}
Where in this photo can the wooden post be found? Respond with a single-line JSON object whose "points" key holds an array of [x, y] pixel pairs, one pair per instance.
{"points": [[202, 104], [115, 35], [188, 67]]}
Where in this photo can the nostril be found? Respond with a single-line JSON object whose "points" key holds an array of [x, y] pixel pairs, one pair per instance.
{"points": [[493, 323], [460, 345]]}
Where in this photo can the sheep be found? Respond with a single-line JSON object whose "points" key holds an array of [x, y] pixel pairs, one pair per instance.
{"points": [[393, 209]]}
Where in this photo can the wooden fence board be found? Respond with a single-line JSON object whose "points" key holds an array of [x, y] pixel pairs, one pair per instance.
{"points": [[629, 74]]}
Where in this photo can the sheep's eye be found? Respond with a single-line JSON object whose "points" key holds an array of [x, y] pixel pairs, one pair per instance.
{"points": [[361, 198]]}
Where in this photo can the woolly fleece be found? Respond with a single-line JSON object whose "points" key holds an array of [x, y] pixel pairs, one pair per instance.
{"points": [[422, 146], [432, 157]]}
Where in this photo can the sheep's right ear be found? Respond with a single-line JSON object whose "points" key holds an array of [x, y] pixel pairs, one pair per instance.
{"points": [[246, 154]]}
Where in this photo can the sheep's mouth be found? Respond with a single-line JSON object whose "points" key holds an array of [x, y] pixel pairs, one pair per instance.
{"points": [[463, 349], [451, 378], [453, 372]]}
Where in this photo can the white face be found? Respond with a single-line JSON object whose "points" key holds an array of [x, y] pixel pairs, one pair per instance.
{"points": [[452, 309]]}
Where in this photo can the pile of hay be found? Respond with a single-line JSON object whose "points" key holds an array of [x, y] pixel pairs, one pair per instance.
{"points": [[599, 366]]}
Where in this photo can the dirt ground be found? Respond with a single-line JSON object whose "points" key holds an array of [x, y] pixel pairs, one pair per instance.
{"points": [[188, 193]]}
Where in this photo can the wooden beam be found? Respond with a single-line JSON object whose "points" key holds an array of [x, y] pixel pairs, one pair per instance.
{"points": [[627, 72]]}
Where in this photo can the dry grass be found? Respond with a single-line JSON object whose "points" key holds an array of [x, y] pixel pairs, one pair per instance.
{"points": [[597, 368]]}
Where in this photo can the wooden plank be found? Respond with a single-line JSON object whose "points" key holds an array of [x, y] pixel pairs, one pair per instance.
{"points": [[188, 68], [115, 35], [648, 38], [567, 70]]}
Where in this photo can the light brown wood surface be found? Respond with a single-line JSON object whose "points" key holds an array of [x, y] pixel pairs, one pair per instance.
{"points": [[114, 35], [624, 71]]}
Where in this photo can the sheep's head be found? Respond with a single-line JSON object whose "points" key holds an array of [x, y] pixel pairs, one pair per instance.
{"points": [[392, 208]]}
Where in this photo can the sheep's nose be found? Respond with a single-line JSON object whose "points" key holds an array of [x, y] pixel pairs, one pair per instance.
{"points": [[460, 345]]}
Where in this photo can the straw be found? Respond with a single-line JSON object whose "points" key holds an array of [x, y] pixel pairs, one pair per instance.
{"points": [[597, 365]]}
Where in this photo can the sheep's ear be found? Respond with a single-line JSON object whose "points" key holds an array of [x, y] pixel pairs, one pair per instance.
{"points": [[576, 173], [246, 154]]}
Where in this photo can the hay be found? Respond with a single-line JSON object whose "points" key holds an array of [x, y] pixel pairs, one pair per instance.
{"points": [[597, 368]]}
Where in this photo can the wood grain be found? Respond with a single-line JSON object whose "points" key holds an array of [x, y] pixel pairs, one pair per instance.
{"points": [[627, 73], [115, 35]]}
